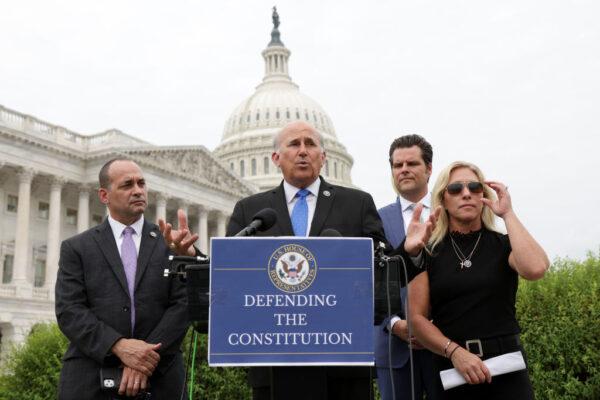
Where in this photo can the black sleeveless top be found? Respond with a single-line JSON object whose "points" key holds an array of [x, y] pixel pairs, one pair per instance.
{"points": [[476, 302]]}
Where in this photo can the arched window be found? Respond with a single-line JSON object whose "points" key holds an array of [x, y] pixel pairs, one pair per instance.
{"points": [[326, 167], [297, 114], [253, 166], [334, 170], [242, 172], [266, 165], [277, 114], [231, 166], [287, 114]]}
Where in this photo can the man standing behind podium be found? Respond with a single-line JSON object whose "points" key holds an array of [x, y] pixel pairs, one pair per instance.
{"points": [[411, 161], [306, 205]]}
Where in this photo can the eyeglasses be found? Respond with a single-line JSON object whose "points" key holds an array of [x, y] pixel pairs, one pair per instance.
{"points": [[457, 187]]}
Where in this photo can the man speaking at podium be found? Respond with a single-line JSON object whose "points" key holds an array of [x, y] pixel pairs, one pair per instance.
{"points": [[306, 205]]}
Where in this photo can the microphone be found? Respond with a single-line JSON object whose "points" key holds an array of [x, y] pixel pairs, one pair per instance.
{"points": [[330, 233], [262, 220]]}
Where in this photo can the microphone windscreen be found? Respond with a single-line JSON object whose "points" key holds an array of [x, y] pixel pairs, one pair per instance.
{"points": [[268, 216], [330, 233]]}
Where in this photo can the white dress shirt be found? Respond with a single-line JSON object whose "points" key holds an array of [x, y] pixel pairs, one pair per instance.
{"points": [[311, 199], [117, 230], [408, 208]]}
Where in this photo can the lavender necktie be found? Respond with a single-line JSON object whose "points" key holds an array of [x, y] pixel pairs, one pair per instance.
{"points": [[129, 258]]}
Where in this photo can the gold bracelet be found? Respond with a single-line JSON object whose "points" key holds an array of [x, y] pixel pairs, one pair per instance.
{"points": [[446, 347]]}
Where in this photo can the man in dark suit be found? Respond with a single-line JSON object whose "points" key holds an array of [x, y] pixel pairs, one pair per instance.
{"points": [[112, 301], [410, 159], [306, 205]]}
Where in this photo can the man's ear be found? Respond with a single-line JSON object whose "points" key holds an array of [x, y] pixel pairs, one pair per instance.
{"points": [[275, 158], [103, 195]]}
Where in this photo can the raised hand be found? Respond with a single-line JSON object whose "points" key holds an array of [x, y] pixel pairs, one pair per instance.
{"points": [[503, 204], [179, 241], [418, 233]]}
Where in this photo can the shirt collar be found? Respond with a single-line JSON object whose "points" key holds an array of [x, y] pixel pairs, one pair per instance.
{"points": [[118, 227], [405, 204], [290, 190]]}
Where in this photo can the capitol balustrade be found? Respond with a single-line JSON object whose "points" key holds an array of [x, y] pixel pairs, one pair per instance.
{"points": [[34, 126], [60, 135]]}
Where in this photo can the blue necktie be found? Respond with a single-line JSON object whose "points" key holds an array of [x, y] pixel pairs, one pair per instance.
{"points": [[300, 213], [129, 258]]}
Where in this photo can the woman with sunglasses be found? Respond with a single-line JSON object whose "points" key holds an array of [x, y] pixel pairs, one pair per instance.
{"points": [[463, 305]]}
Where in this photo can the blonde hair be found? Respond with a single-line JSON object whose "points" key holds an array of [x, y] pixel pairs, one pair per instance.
{"points": [[437, 199]]}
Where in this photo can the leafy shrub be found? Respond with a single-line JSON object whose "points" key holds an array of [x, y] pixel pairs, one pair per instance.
{"points": [[560, 320], [216, 383], [32, 369]]}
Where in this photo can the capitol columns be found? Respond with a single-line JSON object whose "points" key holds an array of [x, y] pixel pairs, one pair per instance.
{"points": [[83, 217], [221, 224], [161, 206], [22, 245], [53, 241], [203, 229]]}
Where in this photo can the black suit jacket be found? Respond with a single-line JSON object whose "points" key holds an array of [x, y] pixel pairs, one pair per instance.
{"points": [[349, 211], [93, 307]]}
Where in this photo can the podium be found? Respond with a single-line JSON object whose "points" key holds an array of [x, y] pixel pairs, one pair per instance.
{"points": [[290, 301]]}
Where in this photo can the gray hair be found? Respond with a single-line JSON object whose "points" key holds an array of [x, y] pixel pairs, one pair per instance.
{"points": [[277, 137]]}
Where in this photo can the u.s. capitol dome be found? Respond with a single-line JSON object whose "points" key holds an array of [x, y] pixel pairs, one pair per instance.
{"points": [[247, 142]]}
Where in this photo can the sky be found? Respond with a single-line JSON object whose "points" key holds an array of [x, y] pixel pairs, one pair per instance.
{"points": [[510, 85]]}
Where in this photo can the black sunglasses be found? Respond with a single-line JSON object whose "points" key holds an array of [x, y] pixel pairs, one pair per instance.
{"points": [[457, 187]]}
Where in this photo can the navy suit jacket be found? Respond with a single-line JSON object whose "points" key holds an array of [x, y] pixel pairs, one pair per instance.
{"points": [[393, 225]]}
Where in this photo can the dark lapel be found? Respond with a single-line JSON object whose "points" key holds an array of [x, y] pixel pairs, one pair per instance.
{"points": [[279, 204], [147, 247], [324, 203], [106, 241]]}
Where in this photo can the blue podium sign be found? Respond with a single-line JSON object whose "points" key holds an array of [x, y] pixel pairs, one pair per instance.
{"points": [[291, 301]]}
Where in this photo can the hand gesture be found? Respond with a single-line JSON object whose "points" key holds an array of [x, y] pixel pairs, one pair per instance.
{"points": [[180, 241], [418, 233], [470, 367], [503, 204]]}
